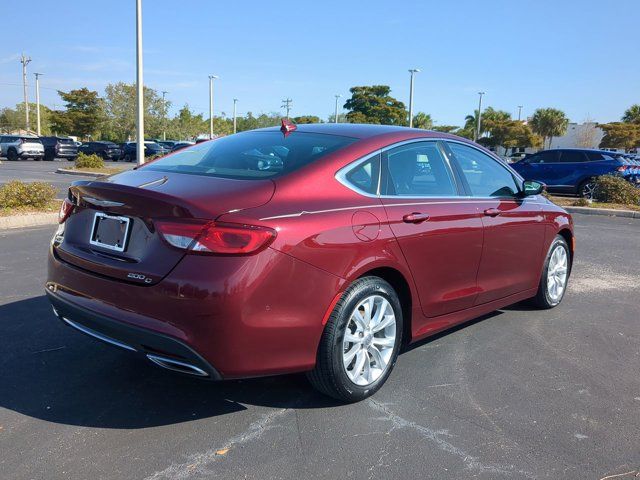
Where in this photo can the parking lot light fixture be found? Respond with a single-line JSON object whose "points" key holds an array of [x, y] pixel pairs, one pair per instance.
{"points": [[38, 75], [139, 87], [519, 112], [336, 113], [24, 60], [477, 135], [412, 71], [211, 79]]}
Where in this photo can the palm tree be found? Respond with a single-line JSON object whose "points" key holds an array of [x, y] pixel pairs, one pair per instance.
{"points": [[422, 120], [549, 123], [632, 114], [488, 115]]}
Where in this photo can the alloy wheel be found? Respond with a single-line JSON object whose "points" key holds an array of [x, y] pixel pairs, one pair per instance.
{"points": [[369, 340], [557, 273]]}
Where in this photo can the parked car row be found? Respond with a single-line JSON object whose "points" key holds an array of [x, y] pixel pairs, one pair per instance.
{"points": [[24, 147], [573, 171]]}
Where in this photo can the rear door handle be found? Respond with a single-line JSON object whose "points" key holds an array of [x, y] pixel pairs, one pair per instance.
{"points": [[415, 217], [492, 212]]}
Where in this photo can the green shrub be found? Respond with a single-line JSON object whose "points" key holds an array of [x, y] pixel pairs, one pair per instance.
{"points": [[89, 161], [19, 194], [582, 202], [613, 189]]}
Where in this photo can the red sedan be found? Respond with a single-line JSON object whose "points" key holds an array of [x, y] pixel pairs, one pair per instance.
{"points": [[320, 249]]}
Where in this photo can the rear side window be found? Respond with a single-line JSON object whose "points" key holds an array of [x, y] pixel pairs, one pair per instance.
{"points": [[418, 169], [251, 155], [365, 176], [486, 177]]}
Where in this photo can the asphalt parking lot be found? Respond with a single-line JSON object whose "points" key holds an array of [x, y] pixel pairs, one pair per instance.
{"points": [[519, 394], [41, 171]]}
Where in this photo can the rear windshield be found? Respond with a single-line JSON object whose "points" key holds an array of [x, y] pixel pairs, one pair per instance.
{"points": [[66, 141], [251, 155], [30, 140]]}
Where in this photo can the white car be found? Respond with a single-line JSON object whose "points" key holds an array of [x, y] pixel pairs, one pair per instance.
{"points": [[15, 147]]}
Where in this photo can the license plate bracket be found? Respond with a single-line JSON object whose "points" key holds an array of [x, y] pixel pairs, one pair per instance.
{"points": [[110, 231]]}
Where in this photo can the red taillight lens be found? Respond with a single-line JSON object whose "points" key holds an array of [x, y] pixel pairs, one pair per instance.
{"points": [[206, 237], [622, 168], [65, 210]]}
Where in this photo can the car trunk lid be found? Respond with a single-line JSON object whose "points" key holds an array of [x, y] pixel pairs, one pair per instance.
{"points": [[111, 231]]}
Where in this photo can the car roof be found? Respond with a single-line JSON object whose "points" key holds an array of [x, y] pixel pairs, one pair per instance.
{"points": [[358, 130]]}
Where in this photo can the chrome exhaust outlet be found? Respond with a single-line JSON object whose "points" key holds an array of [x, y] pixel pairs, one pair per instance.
{"points": [[176, 365]]}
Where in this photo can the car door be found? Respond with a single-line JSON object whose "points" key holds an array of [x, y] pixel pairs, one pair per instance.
{"points": [[567, 170], [514, 225], [439, 233], [538, 167]]}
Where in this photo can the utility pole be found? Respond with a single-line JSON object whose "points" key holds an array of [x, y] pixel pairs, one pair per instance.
{"points": [[479, 115], [38, 75], [139, 88], [25, 61], [286, 104], [412, 71], [519, 111], [211, 79], [164, 116], [336, 114], [235, 116]]}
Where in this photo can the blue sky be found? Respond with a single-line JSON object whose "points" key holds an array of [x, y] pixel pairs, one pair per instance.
{"points": [[579, 56]]}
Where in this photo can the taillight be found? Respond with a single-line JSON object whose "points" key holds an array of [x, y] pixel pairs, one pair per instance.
{"points": [[622, 168], [65, 210], [207, 237]]}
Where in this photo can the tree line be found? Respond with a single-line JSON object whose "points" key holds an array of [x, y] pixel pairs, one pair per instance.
{"points": [[112, 116]]}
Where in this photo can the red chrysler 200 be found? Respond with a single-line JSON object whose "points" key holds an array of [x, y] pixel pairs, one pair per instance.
{"points": [[320, 249]]}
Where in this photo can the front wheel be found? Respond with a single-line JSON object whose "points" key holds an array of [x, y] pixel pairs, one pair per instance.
{"points": [[587, 189], [12, 155], [360, 343], [555, 275]]}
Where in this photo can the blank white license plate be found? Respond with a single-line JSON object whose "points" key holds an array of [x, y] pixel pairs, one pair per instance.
{"points": [[110, 231]]}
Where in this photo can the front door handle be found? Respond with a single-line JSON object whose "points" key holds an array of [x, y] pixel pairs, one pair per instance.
{"points": [[492, 212], [415, 217]]}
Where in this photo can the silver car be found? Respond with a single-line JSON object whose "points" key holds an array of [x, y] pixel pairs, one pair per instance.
{"points": [[15, 147]]}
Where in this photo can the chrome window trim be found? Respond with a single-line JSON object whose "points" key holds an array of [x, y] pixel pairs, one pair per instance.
{"points": [[342, 173]]}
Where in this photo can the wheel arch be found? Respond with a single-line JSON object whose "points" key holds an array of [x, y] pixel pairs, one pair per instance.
{"points": [[401, 285], [569, 238]]}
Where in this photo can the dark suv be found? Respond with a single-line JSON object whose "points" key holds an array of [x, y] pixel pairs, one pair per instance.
{"points": [[570, 170], [106, 150], [59, 147], [129, 152]]}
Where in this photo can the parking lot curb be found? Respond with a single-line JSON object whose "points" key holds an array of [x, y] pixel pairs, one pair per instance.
{"points": [[28, 220], [609, 212], [67, 171]]}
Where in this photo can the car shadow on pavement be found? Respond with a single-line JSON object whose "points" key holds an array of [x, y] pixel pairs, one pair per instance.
{"points": [[51, 372]]}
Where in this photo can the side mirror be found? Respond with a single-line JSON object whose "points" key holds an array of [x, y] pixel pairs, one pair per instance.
{"points": [[531, 187]]}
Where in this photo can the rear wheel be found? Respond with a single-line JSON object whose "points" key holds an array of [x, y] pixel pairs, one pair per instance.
{"points": [[360, 343], [587, 189], [127, 158], [555, 275]]}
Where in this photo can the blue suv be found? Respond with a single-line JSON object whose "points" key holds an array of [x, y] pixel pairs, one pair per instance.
{"points": [[570, 170]]}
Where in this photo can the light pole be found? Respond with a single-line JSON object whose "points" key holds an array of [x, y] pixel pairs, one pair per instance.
{"points": [[412, 71], [336, 114], [235, 116], [25, 61], [211, 79], [519, 111], [38, 101], [139, 88], [479, 115], [164, 116]]}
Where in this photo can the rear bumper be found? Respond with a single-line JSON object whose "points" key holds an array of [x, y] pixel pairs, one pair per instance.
{"points": [[161, 349], [234, 317]]}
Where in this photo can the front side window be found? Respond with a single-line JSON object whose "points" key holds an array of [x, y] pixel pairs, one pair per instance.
{"points": [[486, 177], [252, 155], [571, 156], [418, 169]]}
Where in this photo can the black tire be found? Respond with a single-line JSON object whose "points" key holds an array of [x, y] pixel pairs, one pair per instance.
{"points": [[329, 375], [12, 155], [543, 299], [127, 158], [49, 158]]}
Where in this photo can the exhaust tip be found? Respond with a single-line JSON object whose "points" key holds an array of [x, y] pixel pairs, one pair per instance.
{"points": [[176, 365]]}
